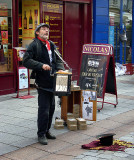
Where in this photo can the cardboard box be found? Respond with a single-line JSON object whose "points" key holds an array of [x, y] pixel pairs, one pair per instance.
{"points": [[81, 121], [70, 115], [72, 127], [59, 122], [59, 126], [76, 115], [71, 121], [82, 126]]}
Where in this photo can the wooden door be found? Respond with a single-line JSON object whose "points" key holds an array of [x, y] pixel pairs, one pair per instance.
{"points": [[73, 39]]}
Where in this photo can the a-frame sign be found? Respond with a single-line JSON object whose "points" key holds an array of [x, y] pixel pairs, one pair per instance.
{"points": [[97, 70]]}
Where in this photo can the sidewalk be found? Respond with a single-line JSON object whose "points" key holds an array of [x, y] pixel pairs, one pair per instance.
{"points": [[18, 139]]}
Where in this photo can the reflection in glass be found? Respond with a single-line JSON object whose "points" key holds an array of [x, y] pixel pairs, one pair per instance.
{"points": [[126, 26]]}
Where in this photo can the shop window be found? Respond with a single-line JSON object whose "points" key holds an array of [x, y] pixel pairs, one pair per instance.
{"points": [[121, 21], [6, 55], [127, 22], [29, 18]]}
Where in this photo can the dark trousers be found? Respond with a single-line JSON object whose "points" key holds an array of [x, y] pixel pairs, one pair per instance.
{"points": [[46, 108]]}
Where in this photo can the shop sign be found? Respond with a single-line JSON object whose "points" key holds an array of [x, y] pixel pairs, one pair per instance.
{"points": [[97, 69], [52, 15], [98, 49]]}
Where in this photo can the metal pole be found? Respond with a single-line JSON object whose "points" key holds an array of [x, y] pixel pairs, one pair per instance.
{"points": [[121, 29]]}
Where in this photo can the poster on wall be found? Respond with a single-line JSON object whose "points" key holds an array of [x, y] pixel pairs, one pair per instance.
{"points": [[53, 16], [30, 20], [23, 78], [4, 23], [89, 99], [4, 35], [3, 9]]}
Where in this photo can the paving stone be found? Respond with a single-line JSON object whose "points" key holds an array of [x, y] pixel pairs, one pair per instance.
{"points": [[72, 137], [91, 153], [120, 154], [12, 129], [132, 133], [80, 156], [54, 146], [5, 148], [74, 150], [24, 143], [4, 158], [127, 138], [27, 153], [56, 157], [29, 134], [90, 158], [121, 158], [130, 151], [9, 138], [104, 156]]}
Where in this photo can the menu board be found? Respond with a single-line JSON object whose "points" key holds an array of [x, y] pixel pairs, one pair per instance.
{"points": [[93, 72], [52, 15], [97, 71]]}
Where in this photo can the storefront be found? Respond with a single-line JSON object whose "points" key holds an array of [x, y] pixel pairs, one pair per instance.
{"points": [[8, 40], [113, 24], [120, 29], [70, 27]]}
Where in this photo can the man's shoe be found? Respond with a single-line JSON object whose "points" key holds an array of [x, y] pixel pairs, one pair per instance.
{"points": [[43, 140], [50, 136]]}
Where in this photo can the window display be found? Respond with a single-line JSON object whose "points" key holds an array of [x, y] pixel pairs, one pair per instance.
{"points": [[6, 56]]}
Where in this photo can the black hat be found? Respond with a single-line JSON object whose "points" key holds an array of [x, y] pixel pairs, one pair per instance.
{"points": [[41, 25], [106, 139]]}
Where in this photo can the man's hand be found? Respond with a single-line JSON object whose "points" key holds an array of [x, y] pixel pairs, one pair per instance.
{"points": [[60, 71], [46, 67]]}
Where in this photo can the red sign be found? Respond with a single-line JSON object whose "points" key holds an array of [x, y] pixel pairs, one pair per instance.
{"points": [[52, 15]]}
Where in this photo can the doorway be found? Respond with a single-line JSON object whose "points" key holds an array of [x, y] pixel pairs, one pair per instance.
{"points": [[73, 36]]}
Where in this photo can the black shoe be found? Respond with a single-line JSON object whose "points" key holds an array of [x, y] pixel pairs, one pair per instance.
{"points": [[42, 140], [50, 136]]}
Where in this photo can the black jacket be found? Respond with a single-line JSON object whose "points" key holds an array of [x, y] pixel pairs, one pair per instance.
{"points": [[37, 55]]}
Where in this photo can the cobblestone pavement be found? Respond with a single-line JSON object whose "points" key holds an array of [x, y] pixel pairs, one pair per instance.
{"points": [[18, 139]]}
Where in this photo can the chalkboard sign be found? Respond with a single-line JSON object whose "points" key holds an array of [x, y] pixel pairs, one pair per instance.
{"points": [[97, 70], [92, 74]]}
